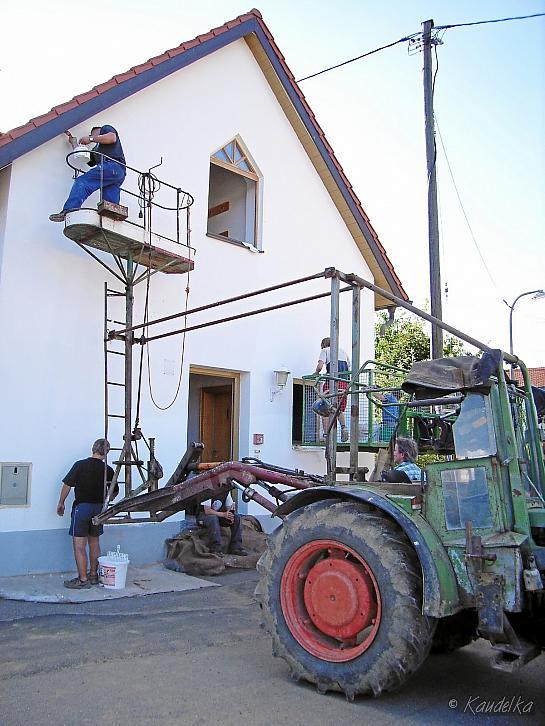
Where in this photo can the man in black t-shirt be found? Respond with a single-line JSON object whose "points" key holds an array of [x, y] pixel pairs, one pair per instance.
{"points": [[107, 172], [86, 477]]}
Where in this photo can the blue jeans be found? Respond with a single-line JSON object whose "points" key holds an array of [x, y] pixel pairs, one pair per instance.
{"points": [[109, 173], [212, 525]]}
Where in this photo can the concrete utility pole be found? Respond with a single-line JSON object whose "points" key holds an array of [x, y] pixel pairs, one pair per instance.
{"points": [[433, 226]]}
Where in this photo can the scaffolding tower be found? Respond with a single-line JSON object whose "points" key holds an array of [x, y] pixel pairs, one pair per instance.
{"points": [[134, 252]]}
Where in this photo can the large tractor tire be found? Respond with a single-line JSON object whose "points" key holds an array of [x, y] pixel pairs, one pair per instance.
{"points": [[341, 596]]}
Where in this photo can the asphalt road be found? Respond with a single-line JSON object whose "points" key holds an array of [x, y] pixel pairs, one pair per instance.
{"points": [[200, 657]]}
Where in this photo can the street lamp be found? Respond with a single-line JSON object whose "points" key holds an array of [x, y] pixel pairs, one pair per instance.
{"points": [[537, 295]]}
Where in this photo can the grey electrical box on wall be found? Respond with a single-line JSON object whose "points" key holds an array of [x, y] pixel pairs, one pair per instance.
{"points": [[15, 484]]}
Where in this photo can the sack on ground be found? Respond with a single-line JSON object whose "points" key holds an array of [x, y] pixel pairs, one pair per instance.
{"points": [[190, 549]]}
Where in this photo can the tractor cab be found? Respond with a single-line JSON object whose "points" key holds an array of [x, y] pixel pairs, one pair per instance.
{"points": [[491, 473]]}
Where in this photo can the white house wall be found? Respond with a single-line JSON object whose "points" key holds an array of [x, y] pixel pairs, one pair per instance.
{"points": [[51, 294]]}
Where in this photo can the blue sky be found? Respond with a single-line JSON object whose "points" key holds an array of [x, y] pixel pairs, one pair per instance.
{"points": [[489, 102]]}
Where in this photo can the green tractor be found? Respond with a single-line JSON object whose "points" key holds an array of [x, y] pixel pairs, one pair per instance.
{"points": [[363, 579]]}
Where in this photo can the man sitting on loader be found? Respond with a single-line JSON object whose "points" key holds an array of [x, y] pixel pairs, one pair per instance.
{"points": [[220, 512]]}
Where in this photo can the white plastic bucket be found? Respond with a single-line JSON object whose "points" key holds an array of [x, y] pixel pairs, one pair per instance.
{"points": [[81, 157], [111, 573]]}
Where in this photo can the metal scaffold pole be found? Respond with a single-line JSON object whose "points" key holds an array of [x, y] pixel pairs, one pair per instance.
{"points": [[129, 307], [355, 394], [331, 443]]}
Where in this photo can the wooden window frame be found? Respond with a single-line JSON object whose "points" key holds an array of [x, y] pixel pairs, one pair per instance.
{"points": [[249, 175], [235, 169]]}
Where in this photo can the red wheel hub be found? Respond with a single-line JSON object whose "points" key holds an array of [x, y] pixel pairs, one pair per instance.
{"points": [[339, 597], [330, 600]]}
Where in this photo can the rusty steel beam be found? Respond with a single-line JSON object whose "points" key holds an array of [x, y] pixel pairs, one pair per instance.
{"points": [[175, 498], [355, 280], [240, 316], [226, 301]]}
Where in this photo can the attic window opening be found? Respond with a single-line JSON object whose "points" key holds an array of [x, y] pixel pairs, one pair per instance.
{"points": [[233, 195]]}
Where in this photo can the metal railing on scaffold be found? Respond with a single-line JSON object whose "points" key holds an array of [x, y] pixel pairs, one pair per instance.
{"points": [[147, 191]]}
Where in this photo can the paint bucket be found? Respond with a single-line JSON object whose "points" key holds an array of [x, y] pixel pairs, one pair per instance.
{"points": [[322, 408], [80, 157], [112, 570]]}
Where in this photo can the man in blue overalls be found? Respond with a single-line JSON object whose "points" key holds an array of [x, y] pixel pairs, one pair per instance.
{"points": [[107, 170]]}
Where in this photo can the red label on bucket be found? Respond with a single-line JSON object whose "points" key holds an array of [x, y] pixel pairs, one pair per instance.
{"points": [[107, 575]]}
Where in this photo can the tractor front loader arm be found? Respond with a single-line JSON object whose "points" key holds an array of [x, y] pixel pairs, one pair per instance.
{"points": [[223, 477]]}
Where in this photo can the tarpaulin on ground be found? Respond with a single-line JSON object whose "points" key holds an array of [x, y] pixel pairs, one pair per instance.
{"points": [[190, 549]]}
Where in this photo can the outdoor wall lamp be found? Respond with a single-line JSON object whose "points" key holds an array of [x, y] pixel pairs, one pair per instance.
{"points": [[281, 378]]}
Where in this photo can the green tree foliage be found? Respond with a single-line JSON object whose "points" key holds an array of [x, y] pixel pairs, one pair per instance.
{"points": [[407, 341]]}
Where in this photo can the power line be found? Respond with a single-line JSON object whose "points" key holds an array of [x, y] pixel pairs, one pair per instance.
{"points": [[359, 57], [432, 103], [485, 22], [442, 253], [473, 237], [182, 357], [436, 28]]}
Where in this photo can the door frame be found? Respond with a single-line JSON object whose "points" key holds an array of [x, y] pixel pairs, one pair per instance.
{"points": [[234, 377]]}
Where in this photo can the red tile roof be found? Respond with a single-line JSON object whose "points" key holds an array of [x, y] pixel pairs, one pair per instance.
{"points": [[80, 99], [537, 376], [56, 111]]}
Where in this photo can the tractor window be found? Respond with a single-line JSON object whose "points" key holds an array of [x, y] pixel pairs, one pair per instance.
{"points": [[466, 497], [474, 429], [520, 424], [524, 438]]}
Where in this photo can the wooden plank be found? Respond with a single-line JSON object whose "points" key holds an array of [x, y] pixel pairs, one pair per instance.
{"points": [[114, 211], [218, 209]]}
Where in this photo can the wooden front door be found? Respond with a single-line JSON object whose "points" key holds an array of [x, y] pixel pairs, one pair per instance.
{"points": [[216, 422]]}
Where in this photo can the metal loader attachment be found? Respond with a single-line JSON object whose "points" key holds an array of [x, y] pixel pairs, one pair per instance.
{"points": [[194, 482]]}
